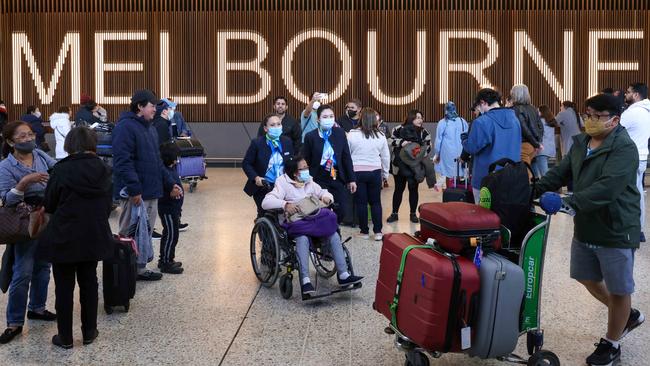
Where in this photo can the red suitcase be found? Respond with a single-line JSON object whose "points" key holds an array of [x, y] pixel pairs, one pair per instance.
{"points": [[459, 226], [438, 295]]}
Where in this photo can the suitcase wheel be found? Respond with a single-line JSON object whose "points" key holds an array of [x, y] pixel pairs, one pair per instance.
{"points": [[108, 309], [193, 187], [546, 358], [416, 358]]}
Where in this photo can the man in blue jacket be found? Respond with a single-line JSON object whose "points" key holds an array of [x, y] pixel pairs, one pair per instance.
{"points": [[138, 171], [494, 135]]}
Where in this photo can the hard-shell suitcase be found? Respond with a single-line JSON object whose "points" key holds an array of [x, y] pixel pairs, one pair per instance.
{"points": [[190, 147], [429, 295], [459, 226], [191, 166], [502, 291], [459, 188], [119, 275]]}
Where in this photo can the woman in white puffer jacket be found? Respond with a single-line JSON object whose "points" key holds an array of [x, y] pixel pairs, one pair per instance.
{"points": [[61, 124]]}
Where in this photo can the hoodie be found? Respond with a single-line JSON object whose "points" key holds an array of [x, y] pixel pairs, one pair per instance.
{"points": [[78, 195], [60, 123], [494, 135], [636, 119]]}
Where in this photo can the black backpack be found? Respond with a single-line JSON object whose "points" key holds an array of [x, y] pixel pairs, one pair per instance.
{"points": [[508, 192]]}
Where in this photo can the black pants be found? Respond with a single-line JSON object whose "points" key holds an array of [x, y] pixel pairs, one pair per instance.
{"points": [[341, 195], [400, 186], [258, 197], [64, 276], [171, 224], [369, 192]]}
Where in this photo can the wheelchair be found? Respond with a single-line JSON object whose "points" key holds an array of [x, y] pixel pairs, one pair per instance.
{"points": [[273, 252]]}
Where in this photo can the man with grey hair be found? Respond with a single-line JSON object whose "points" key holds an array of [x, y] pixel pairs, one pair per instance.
{"points": [[532, 129]]}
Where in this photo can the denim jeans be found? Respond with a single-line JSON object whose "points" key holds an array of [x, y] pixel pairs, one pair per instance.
{"points": [[369, 192], [540, 165], [27, 270], [302, 251]]}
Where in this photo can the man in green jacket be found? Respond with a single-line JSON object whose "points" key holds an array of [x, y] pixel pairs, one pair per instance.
{"points": [[605, 203]]}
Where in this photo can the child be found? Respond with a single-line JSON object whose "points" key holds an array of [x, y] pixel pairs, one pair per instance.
{"points": [[169, 210]]}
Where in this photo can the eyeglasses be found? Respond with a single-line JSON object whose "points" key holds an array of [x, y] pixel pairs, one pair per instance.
{"points": [[23, 136], [599, 116]]}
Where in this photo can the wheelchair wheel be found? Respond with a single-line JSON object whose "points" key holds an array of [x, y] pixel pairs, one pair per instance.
{"points": [[324, 266], [265, 251], [286, 285], [348, 260]]}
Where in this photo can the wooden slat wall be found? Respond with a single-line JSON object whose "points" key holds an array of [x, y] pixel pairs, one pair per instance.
{"points": [[193, 27]]}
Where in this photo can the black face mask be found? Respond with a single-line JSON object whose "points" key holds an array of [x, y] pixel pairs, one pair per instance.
{"points": [[351, 113], [25, 147]]}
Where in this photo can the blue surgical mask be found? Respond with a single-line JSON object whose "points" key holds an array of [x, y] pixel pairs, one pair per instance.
{"points": [[326, 123], [275, 132], [170, 114], [303, 176]]}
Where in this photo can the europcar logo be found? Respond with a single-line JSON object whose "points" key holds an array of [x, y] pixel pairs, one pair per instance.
{"points": [[485, 198]]}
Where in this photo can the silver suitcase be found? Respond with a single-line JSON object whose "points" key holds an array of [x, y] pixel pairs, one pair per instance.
{"points": [[497, 324]]}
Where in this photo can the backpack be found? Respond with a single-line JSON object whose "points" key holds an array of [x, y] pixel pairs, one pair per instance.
{"points": [[508, 192]]}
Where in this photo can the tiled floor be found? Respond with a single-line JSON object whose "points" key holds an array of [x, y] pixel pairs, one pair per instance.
{"points": [[216, 313]]}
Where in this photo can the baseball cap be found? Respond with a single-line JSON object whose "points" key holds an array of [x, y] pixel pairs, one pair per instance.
{"points": [[170, 104]]}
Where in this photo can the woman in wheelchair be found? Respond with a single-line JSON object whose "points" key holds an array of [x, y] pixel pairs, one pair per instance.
{"points": [[294, 185]]}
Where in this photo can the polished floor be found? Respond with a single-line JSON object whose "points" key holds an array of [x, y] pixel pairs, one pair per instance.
{"points": [[217, 314]]}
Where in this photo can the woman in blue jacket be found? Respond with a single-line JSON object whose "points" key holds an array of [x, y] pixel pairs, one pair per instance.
{"points": [[264, 160]]}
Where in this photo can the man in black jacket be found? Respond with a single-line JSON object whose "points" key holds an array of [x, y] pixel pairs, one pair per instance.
{"points": [[290, 127], [327, 153], [350, 119]]}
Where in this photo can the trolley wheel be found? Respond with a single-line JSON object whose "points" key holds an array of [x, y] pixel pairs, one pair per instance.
{"points": [[108, 309], [193, 187], [544, 358], [534, 341], [416, 358], [286, 285], [265, 251], [348, 260]]}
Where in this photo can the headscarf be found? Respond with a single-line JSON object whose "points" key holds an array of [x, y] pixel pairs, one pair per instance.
{"points": [[450, 110]]}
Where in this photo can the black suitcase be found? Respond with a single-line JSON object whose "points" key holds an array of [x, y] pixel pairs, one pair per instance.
{"points": [[461, 190], [190, 147], [119, 275]]}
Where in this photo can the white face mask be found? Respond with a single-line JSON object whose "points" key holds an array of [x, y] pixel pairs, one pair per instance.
{"points": [[316, 105], [327, 123], [37, 114]]}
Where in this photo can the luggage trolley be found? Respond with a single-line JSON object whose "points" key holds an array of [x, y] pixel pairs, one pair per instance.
{"points": [[530, 257], [191, 166]]}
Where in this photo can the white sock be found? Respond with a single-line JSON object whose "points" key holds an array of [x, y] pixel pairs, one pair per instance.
{"points": [[615, 344], [344, 275], [306, 280]]}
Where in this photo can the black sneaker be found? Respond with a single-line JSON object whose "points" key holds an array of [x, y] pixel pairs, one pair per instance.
{"points": [[149, 276], [183, 227], [90, 339], [642, 237], [156, 236], [56, 340], [171, 268], [307, 289], [605, 354], [10, 334], [414, 218], [174, 263], [636, 318], [351, 280], [45, 315], [392, 218]]}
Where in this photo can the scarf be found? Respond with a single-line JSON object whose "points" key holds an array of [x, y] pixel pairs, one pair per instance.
{"points": [[450, 111], [328, 159], [275, 167]]}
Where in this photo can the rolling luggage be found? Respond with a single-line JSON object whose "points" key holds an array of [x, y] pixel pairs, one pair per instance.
{"points": [[459, 188], [191, 166], [459, 226], [190, 146], [429, 295], [502, 291], [120, 274]]}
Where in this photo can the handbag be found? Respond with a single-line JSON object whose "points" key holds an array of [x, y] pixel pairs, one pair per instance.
{"points": [[14, 223], [38, 220], [307, 206], [320, 225]]}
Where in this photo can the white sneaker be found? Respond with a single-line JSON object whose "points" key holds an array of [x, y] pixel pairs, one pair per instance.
{"points": [[364, 236], [379, 236]]}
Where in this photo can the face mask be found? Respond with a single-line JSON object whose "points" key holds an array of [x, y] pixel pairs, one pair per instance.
{"points": [[351, 113], [275, 132], [25, 147], [316, 105], [170, 114], [37, 114], [594, 126], [327, 123], [303, 176]]}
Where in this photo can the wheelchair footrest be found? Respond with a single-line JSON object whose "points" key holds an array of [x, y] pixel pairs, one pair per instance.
{"points": [[307, 297]]}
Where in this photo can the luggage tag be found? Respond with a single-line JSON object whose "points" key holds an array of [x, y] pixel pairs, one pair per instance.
{"points": [[477, 255], [465, 338]]}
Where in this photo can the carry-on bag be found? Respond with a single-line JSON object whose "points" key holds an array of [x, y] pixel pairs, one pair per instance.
{"points": [[459, 188], [120, 274], [502, 291], [430, 296], [459, 227], [191, 166], [190, 146]]}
